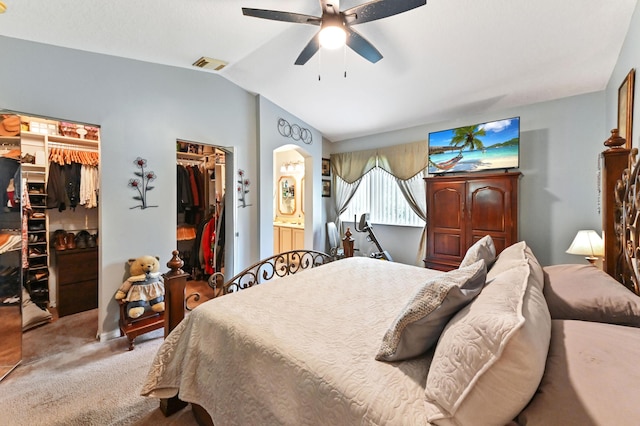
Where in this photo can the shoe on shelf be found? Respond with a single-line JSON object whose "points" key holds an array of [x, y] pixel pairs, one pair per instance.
{"points": [[60, 239], [34, 252], [41, 275], [36, 227], [83, 239], [71, 241]]}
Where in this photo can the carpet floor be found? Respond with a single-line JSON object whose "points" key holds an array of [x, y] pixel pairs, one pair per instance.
{"points": [[80, 381]]}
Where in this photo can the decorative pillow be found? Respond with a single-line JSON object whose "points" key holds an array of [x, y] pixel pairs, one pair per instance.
{"points": [[482, 249], [590, 378], [584, 292], [512, 256], [32, 315], [422, 320], [491, 355]]}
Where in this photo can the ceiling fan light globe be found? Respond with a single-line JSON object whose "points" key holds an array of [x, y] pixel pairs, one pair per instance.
{"points": [[332, 37]]}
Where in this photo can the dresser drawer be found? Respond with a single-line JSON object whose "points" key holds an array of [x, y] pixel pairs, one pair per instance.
{"points": [[77, 278], [76, 265], [77, 297]]}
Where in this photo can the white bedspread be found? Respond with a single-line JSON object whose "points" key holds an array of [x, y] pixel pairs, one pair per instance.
{"points": [[299, 350]]}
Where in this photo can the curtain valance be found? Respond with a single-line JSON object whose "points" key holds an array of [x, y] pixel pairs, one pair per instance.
{"points": [[402, 161], [351, 166]]}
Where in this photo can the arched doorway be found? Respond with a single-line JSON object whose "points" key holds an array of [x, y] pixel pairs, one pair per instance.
{"points": [[290, 207]]}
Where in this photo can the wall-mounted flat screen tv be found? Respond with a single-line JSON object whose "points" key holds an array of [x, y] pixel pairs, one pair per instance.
{"points": [[479, 147]]}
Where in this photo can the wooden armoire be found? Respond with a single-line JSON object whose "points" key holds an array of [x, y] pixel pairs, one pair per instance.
{"points": [[461, 209]]}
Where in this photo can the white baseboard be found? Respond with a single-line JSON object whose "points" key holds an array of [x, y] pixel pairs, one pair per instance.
{"points": [[110, 335]]}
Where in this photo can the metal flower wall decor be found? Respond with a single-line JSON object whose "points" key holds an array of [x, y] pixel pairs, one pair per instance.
{"points": [[243, 185], [141, 183]]}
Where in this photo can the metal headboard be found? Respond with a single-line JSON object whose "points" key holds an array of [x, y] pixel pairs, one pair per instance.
{"points": [[627, 224]]}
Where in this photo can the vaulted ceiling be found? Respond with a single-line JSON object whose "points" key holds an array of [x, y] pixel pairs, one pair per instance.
{"points": [[447, 59]]}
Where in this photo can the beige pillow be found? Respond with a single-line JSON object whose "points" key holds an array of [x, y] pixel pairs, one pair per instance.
{"points": [[491, 356], [418, 326], [584, 292], [514, 255], [482, 249]]}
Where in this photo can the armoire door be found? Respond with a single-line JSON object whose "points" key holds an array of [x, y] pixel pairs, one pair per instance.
{"points": [[491, 206], [446, 223]]}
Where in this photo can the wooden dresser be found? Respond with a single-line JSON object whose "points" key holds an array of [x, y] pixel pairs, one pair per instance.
{"points": [[461, 209], [77, 280]]}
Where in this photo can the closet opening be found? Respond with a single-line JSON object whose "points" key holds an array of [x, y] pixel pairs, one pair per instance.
{"points": [[57, 188], [204, 204]]}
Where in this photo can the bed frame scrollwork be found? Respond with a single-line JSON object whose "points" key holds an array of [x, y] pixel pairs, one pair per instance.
{"points": [[627, 224], [276, 266]]}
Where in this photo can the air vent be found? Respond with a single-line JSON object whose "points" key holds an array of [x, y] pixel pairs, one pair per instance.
{"points": [[210, 63]]}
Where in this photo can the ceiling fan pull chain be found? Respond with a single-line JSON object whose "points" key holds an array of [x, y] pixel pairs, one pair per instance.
{"points": [[319, 64], [344, 56]]}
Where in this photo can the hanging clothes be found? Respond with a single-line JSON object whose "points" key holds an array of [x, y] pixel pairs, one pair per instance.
{"points": [[8, 169], [208, 242], [193, 186], [185, 201], [197, 187], [72, 183], [190, 193], [220, 240], [56, 188], [196, 250], [89, 186]]}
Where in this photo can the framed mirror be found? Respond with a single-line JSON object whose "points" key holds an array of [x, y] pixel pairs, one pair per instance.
{"points": [[287, 195]]}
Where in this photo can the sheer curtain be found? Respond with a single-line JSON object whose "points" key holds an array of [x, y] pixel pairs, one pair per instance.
{"points": [[407, 163], [348, 169]]}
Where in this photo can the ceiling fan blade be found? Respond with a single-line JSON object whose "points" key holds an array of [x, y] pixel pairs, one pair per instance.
{"points": [[378, 9], [362, 47], [309, 50], [276, 15]]}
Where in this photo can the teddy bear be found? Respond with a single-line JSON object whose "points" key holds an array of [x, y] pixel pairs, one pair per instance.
{"points": [[144, 288]]}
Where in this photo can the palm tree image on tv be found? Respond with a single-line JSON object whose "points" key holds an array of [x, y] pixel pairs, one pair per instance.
{"points": [[478, 147], [467, 138]]}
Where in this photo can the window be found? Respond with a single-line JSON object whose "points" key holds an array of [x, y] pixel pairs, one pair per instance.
{"points": [[379, 195]]}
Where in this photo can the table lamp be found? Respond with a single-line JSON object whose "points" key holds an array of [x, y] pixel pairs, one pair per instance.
{"points": [[587, 243]]}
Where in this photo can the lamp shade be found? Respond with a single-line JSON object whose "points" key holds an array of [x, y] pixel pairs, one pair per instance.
{"points": [[587, 243]]}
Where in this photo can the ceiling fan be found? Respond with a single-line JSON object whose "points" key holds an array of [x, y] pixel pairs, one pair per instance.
{"points": [[335, 26]]}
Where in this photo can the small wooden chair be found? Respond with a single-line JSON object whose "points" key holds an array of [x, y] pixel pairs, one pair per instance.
{"points": [[133, 327]]}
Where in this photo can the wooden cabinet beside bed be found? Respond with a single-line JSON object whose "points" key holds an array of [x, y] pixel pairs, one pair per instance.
{"points": [[461, 209]]}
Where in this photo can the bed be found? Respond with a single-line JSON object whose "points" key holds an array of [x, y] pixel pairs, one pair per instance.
{"points": [[359, 341]]}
